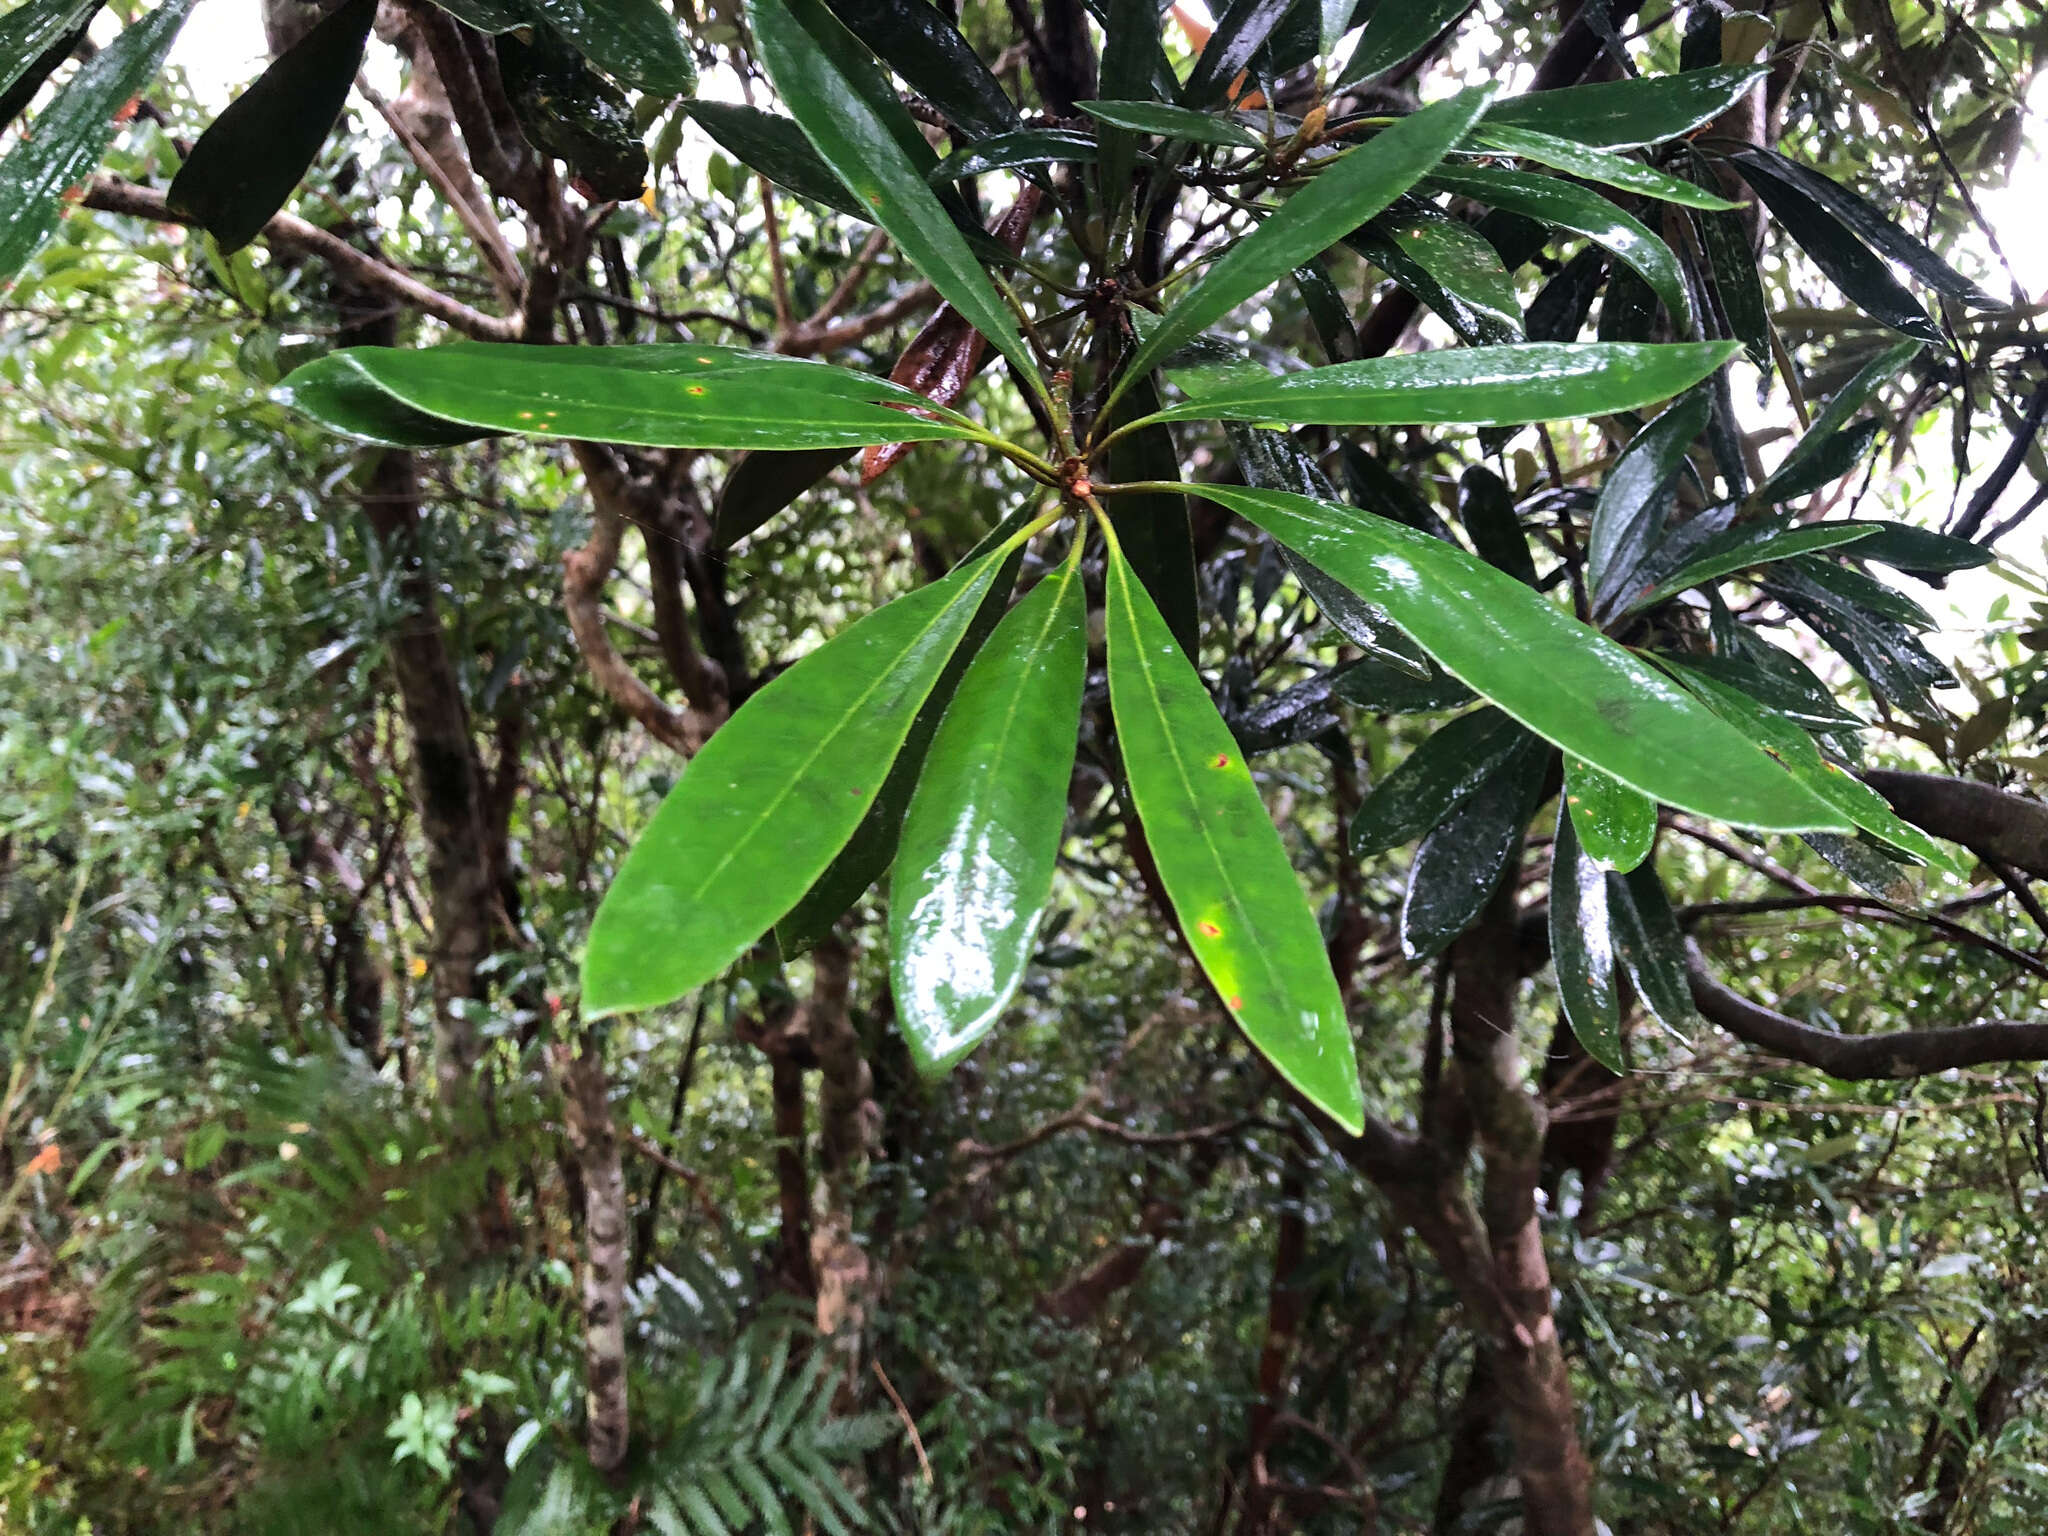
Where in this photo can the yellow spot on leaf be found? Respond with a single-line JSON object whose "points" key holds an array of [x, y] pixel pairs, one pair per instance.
{"points": [[1210, 929], [1222, 760], [696, 389], [418, 967], [1236, 1003]]}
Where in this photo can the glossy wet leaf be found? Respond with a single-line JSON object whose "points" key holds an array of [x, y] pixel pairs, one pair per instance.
{"points": [[853, 118], [1343, 195], [1850, 265], [1651, 948], [763, 482], [1842, 406], [914, 38], [1583, 212], [1748, 545], [1582, 945], [343, 399], [1273, 460], [1738, 285], [1616, 824], [1153, 527], [1386, 689], [1242, 27], [776, 147], [1867, 222], [1560, 678], [1329, 312], [1626, 114], [1434, 780], [1635, 497], [1559, 310], [1865, 865], [569, 110], [1170, 122], [1480, 386], [1793, 747], [1826, 463], [1781, 680], [1397, 32], [1224, 867], [1588, 164], [1919, 549], [761, 810], [658, 395], [634, 41], [1486, 507], [974, 861], [34, 39], [1449, 266], [1014, 151], [250, 158], [73, 131], [871, 849], [1462, 861]]}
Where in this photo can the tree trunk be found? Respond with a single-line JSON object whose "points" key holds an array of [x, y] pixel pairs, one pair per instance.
{"points": [[587, 1117]]}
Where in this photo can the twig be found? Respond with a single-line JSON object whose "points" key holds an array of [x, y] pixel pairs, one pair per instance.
{"points": [[916, 1441]]}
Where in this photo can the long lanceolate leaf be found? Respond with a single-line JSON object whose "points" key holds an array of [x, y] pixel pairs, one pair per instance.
{"points": [[247, 162], [1588, 164], [1223, 866], [1343, 195], [763, 808], [1583, 212], [656, 396], [851, 114], [634, 40], [975, 862], [1480, 386], [34, 39], [1624, 114], [1560, 678], [72, 132], [1629, 515]]}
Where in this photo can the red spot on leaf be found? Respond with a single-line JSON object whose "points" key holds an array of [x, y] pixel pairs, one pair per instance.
{"points": [[1222, 760], [1210, 929]]}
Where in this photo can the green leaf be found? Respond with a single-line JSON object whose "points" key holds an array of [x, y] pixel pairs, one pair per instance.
{"points": [[1481, 386], [1463, 860], [1615, 824], [1583, 212], [1738, 285], [1575, 159], [1487, 509], [1849, 264], [1560, 678], [1448, 265], [974, 864], [634, 41], [1634, 499], [1559, 310], [1780, 680], [1827, 463], [1625, 114], [914, 38], [1582, 945], [776, 147], [1651, 948], [656, 396], [868, 853], [1843, 405], [760, 484], [73, 131], [1434, 780], [1223, 866], [775, 793], [1242, 28], [1012, 151], [343, 399], [248, 161], [1387, 689], [1864, 220], [1348, 190], [1864, 864], [1395, 32], [1153, 528], [850, 112], [34, 39], [569, 110], [1172, 123], [1747, 545], [1919, 549], [1790, 745]]}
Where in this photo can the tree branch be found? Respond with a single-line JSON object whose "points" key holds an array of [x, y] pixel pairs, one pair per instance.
{"points": [[109, 194], [1990, 822], [1861, 1058]]}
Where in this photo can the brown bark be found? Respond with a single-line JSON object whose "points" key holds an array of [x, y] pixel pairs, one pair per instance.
{"points": [[593, 1137], [1989, 821]]}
